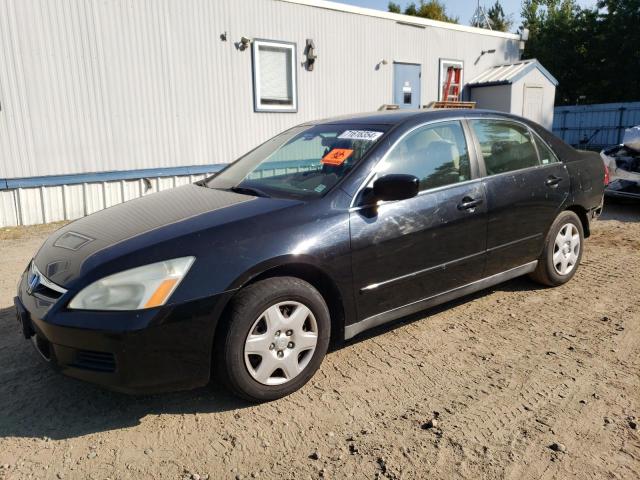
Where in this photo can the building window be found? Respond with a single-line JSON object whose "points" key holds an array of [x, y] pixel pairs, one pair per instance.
{"points": [[274, 76], [445, 65]]}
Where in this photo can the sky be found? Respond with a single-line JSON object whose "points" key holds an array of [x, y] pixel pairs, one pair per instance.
{"points": [[463, 9]]}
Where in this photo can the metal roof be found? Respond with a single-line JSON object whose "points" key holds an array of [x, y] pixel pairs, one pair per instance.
{"points": [[400, 18], [397, 117], [510, 73]]}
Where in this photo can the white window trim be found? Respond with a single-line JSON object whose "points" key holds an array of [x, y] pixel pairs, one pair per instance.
{"points": [[441, 73], [258, 106]]}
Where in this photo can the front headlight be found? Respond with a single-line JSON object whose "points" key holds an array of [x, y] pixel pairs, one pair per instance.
{"points": [[135, 289]]}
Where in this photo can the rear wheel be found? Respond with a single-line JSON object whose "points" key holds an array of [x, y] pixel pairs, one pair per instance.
{"points": [[275, 339], [562, 251]]}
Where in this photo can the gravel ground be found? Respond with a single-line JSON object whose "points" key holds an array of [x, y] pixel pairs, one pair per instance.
{"points": [[514, 382]]}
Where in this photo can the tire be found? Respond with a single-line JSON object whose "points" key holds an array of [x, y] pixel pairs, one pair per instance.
{"points": [[561, 254], [266, 349]]}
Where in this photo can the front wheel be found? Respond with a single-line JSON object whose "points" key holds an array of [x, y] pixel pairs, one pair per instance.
{"points": [[562, 251], [275, 339]]}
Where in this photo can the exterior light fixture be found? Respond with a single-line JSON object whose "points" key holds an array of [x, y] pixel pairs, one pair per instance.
{"points": [[524, 36], [311, 54], [381, 62], [483, 53], [243, 43]]}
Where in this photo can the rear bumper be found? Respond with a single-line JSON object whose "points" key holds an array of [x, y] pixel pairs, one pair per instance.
{"points": [[170, 348]]}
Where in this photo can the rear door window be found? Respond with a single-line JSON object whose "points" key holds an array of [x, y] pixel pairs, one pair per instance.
{"points": [[506, 146]]}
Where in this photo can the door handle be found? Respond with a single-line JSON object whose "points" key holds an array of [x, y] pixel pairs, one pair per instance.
{"points": [[552, 181], [469, 203]]}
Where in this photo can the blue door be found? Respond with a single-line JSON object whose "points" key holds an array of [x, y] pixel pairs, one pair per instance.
{"points": [[406, 85]]}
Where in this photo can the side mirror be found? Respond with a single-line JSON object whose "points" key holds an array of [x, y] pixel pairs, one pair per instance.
{"points": [[396, 186]]}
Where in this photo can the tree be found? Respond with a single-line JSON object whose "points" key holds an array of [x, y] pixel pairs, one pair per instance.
{"points": [[499, 21], [432, 9], [394, 7], [593, 52]]}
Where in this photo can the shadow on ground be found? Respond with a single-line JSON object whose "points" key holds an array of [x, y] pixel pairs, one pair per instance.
{"points": [[36, 401], [623, 210]]}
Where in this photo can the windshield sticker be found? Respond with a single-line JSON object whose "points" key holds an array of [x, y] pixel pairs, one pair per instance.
{"points": [[337, 156], [360, 135], [320, 188]]}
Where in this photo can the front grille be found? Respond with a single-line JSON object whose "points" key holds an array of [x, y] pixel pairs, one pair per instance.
{"points": [[46, 292], [40, 286], [96, 361]]}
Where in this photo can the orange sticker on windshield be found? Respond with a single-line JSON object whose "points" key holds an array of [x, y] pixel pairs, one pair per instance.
{"points": [[337, 156]]}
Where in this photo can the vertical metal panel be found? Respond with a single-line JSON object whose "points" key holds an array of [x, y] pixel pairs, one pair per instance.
{"points": [[8, 212], [74, 201], [112, 193], [30, 206], [102, 85], [130, 189], [53, 203], [595, 126]]}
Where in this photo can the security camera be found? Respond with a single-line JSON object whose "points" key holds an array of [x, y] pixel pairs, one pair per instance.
{"points": [[245, 41]]}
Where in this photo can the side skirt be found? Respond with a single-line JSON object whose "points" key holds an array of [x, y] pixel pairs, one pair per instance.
{"points": [[399, 312]]}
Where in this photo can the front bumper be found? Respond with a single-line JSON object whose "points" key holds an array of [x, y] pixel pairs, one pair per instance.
{"points": [[165, 349]]}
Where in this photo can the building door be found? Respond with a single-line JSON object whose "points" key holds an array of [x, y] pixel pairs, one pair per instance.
{"points": [[532, 105], [406, 85]]}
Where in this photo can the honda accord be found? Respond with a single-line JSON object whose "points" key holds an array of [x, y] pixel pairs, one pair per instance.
{"points": [[326, 230]]}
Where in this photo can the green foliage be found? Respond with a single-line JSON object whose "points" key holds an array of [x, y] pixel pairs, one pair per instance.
{"points": [[593, 52], [394, 7], [499, 21], [433, 9]]}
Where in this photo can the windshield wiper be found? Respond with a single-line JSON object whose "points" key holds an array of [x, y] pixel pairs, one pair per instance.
{"points": [[249, 191]]}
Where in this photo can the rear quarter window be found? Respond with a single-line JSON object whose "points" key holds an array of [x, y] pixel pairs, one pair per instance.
{"points": [[506, 146], [546, 154]]}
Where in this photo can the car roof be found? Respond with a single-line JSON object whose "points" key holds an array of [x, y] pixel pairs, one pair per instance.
{"points": [[397, 117]]}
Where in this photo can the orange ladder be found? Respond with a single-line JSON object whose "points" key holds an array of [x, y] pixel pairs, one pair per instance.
{"points": [[451, 91]]}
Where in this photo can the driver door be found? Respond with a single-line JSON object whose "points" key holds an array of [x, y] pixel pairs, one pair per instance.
{"points": [[410, 250]]}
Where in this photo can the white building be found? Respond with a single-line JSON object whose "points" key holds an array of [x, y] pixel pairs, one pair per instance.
{"points": [[106, 100]]}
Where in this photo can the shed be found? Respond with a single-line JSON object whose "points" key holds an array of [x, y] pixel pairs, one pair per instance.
{"points": [[523, 88]]}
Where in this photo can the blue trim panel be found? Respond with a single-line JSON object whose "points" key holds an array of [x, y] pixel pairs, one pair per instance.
{"points": [[55, 180], [74, 179]]}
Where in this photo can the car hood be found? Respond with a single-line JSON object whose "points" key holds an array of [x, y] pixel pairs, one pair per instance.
{"points": [[166, 214]]}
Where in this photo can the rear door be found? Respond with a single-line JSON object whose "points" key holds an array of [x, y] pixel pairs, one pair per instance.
{"points": [[526, 187], [413, 249]]}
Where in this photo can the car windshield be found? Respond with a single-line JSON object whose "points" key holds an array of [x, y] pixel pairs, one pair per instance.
{"points": [[303, 162]]}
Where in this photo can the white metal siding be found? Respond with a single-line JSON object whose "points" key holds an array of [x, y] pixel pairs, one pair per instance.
{"points": [[30, 206], [103, 85], [115, 85]]}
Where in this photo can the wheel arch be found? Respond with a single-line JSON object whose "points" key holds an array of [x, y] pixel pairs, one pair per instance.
{"points": [[304, 269], [581, 212]]}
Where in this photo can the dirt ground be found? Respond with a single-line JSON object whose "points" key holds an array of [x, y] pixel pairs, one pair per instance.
{"points": [[505, 373]]}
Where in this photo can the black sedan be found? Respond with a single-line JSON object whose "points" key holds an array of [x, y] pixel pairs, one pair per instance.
{"points": [[322, 232]]}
